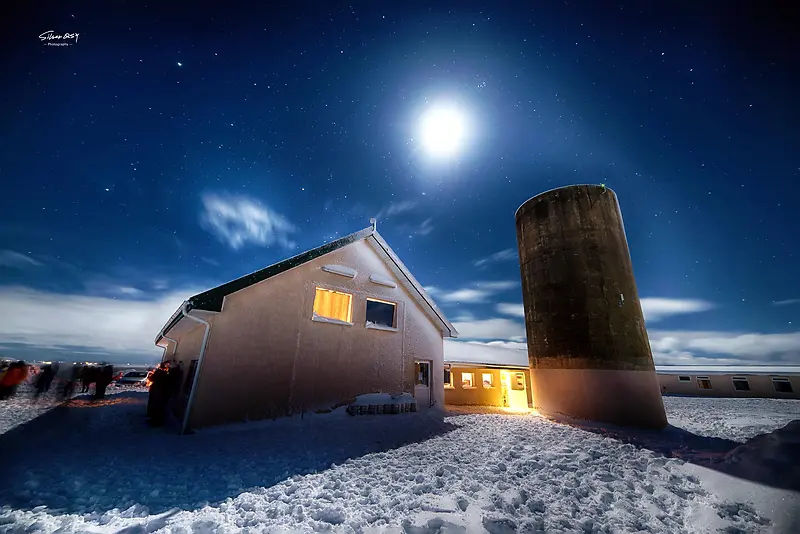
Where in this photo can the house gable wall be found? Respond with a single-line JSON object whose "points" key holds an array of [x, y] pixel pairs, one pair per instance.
{"points": [[266, 357]]}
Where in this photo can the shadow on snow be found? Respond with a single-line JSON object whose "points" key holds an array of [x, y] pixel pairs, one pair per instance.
{"points": [[771, 459], [87, 456]]}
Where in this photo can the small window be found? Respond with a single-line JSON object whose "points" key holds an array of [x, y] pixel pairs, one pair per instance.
{"points": [[518, 383], [740, 383], [703, 382], [448, 378], [488, 380], [329, 304], [684, 378], [782, 385], [423, 373], [380, 313], [467, 380]]}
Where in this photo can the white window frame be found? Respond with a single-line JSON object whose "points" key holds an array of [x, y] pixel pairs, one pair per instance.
{"points": [[374, 326], [684, 378], [449, 385], [473, 386], [491, 380], [330, 320]]}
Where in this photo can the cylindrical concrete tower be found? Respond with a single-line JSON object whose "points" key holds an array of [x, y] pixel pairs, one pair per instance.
{"points": [[587, 344]]}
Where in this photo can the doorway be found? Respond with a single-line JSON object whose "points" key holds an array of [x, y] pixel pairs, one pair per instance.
{"points": [[422, 383], [514, 395]]}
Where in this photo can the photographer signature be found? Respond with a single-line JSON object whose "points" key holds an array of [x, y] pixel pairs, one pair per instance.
{"points": [[50, 35]]}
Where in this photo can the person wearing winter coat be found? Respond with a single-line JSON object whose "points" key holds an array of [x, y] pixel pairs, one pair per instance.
{"points": [[44, 380], [104, 378]]}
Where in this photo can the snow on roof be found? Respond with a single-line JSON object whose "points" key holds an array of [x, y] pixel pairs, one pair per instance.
{"points": [[481, 353]]}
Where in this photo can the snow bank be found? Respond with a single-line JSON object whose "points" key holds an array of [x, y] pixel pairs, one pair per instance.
{"points": [[479, 473]]}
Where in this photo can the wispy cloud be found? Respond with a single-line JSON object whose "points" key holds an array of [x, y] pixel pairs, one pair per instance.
{"points": [[423, 229], [655, 309], [17, 260], [515, 310], [475, 292], [785, 302], [396, 208], [676, 347], [239, 220], [117, 326], [210, 261], [508, 254]]}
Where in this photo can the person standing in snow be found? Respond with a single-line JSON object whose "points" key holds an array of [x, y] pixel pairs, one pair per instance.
{"points": [[159, 395], [44, 380], [104, 378]]}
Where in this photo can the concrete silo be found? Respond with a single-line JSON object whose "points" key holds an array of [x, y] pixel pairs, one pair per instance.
{"points": [[588, 349]]}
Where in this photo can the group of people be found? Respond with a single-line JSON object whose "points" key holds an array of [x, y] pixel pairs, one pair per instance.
{"points": [[165, 385], [64, 376]]}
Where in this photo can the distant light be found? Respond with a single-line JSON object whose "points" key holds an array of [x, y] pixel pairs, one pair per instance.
{"points": [[443, 129], [180, 64]]}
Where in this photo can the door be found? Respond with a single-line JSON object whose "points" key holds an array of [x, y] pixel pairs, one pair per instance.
{"points": [[422, 383]]}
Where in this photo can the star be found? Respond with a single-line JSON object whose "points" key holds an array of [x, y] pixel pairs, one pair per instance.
{"points": [[180, 64]]}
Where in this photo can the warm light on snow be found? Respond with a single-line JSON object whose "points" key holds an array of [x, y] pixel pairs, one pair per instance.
{"points": [[443, 129]]}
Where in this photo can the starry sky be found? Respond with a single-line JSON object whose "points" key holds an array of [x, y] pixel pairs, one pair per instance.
{"points": [[165, 149]]}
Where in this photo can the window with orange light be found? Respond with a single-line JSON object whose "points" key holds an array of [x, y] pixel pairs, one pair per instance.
{"points": [[488, 380], [467, 380], [330, 304]]}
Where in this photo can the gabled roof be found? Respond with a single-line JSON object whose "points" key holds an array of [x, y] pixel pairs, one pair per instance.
{"points": [[212, 299]]}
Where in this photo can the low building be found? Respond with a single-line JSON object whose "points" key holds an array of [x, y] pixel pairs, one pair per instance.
{"points": [[491, 375], [307, 334], [483, 375], [731, 381]]}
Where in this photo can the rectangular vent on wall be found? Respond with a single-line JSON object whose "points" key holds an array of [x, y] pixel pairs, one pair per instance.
{"points": [[381, 280], [340, 270]]}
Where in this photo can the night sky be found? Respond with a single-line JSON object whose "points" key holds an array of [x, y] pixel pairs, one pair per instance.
{"points": [[169, 148]]}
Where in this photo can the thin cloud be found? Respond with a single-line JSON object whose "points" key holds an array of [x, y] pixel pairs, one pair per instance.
{"points": [[121, 327], [504, 255], [238, 221], [17, 260], [417, 230], [656, 309], [514, 310], [396, 208], [785, 302], [474, 293]]}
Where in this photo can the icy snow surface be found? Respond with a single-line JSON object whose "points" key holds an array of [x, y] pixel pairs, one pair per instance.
{"points": [[96, 467]]}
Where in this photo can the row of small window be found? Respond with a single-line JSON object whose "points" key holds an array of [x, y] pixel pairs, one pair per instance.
{"points": [[740, 383], [337, 306], [487, 379]]}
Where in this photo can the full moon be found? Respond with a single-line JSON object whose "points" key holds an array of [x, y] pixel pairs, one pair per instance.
{"points": [[443, 129]]}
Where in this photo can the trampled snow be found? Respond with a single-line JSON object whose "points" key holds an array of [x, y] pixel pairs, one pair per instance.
{"points": [[96, 467]]}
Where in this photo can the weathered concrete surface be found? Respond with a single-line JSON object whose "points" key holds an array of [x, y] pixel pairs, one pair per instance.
{"points": [[582, 309]]}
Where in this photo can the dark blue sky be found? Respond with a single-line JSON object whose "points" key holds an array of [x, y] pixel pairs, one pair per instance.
{"points": [[171, 148]]}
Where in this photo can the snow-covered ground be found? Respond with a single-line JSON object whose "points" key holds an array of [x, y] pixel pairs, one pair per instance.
{"points": [[96, 467]]}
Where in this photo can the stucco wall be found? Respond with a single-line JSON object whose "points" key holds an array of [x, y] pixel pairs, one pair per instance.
{"points": [[266, 356], [479, 395], [188, 349], [722, 386]]}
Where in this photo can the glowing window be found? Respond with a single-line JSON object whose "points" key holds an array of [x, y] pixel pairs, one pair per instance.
{"points": [[448, 378], [333, 305], [519, 382], [467, 380], [488, 380]]}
